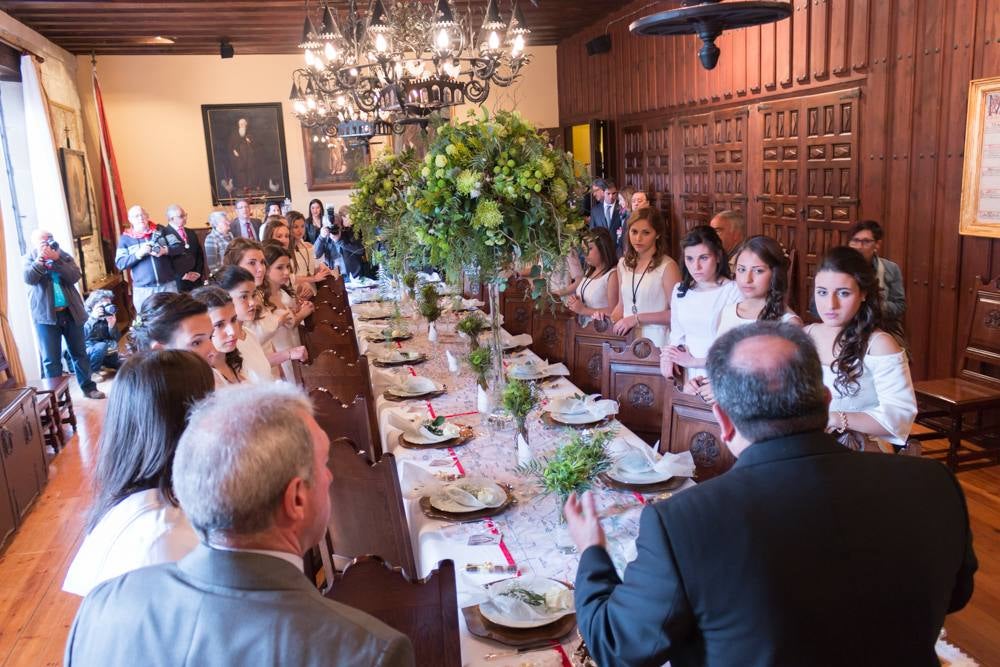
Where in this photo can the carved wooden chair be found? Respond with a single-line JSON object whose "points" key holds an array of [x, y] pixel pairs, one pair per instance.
{"points": [[551, 333], [327, 336], [518, 308], [366, 508], [632, 377], [586, 343], [947, 405], [353, 417], [689, 425], [425, 610]]}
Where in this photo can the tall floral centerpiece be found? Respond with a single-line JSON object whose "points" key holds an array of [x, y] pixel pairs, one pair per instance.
{"points": [[490, 195]]}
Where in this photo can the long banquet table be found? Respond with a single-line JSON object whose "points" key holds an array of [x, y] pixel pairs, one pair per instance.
{"points": [[531, 535]]}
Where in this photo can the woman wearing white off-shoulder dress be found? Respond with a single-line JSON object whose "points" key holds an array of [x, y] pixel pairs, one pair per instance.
{"points": [[866, 371], [646, 276]]}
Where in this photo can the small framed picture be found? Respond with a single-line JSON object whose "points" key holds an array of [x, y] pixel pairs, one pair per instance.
{"points": [[980, 212], [332, 163]]}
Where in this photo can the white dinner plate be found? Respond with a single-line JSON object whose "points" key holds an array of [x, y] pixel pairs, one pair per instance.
{"points": [[535, 584], [445, 504], [399, 391], [392, 359], [537, 375], [421, 438], [645, 477], [575, 419]]}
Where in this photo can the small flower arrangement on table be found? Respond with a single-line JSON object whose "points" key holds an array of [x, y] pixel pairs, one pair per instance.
{"points": [[574, 466]]}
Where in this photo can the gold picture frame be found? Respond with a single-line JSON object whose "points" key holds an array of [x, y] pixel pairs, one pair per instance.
{"points": [[980, 211]]}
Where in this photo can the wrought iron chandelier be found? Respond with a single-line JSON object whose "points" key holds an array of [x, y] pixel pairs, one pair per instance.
{"points": [[373, 74]]}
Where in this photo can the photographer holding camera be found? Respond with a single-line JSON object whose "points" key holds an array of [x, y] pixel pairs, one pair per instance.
{"points": [[147, 249], [57, 309], [329, 242], [101, 332]]}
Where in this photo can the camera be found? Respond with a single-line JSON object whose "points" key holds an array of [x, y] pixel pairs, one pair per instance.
{"points": [[106, 309], [332, 222], [52, 243]]}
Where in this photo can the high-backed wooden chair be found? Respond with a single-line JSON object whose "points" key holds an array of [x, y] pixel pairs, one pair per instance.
{"points": [[632, 377], [353, 417], [327, 336], [366, 515], [585, 352], [551, 333], [689, 425], [336, 368], [947, 405], [517, 307], [425, 610]]}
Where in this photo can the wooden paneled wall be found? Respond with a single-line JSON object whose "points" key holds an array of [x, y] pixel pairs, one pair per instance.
{"points": [[902, 69]]}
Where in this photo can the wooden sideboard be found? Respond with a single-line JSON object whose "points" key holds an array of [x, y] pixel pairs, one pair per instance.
{"points": [[23, 469]]}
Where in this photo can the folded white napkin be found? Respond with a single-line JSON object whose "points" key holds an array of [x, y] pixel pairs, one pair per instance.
{"points": [[464, 304], [632, 456], [521, 340], [558, 600], [414, 384], [532, 369]]}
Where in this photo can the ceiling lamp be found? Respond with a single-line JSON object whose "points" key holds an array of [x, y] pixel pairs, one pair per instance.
{"points": [[708, 18], [401, 65]]}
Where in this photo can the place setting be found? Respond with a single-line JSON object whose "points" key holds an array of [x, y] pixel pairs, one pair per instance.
{"points": [[637, 467], [524, 612], [536, 370], [413, 387], [437, 433], [390, 334], [580, 411], [396, 357], [466, 499]]}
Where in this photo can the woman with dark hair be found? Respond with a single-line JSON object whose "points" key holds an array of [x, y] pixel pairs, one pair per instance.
{"points": [[226, 333], [864, 368], [247, 254], [306, 272], [135, 520], [265, 229], [762, 278], [646, 276], [173, 321], [280, 308], [595, 293], [314, 220], [696, 304]]}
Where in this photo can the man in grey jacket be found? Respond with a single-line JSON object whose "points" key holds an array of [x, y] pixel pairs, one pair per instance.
{"points": [[250, 473], [865, 236], [57, 309]]}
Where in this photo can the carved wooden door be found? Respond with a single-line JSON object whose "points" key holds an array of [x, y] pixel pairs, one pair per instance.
{"points": [[729, 177], [809, 178], [634, 154], [658, 168], [696, 197]]}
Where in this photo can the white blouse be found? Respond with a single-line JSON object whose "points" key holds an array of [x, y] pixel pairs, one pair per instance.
{"points": [[885, 393], [593, 292], [648, 297], [730, 319], [143, 529], [255, 363], [694, 319], [305, 264]]}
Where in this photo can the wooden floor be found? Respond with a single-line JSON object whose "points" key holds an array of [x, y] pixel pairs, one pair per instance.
{"points": [[36, 614]]}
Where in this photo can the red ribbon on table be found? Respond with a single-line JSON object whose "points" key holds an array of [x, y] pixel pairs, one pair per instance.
{"points": [[462, 414], [412, 372], [558, 648], [639, 497], [492, 527], [458, 464]]}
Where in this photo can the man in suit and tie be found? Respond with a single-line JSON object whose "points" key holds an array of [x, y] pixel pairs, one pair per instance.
{"points": [[804, 553], [250, 473], [244, 225], [605, 211], [189, 265]]}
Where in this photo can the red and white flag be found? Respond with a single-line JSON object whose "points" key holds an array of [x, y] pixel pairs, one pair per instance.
{"points": [[113, 215]]}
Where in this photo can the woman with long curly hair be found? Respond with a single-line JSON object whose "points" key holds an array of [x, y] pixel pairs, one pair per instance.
{"points": [[873, 404], [646, 276], [762, 277]]}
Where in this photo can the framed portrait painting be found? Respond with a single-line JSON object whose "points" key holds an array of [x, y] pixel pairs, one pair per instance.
{"points": [[246, 152], [332, 163], [980, 211], [74, 174]]}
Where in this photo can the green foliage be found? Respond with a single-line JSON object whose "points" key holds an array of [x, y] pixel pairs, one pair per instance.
{"points": [[574, 466], [429, 307], [472, 325], [481, 362], [519, 398], [435, 426]]}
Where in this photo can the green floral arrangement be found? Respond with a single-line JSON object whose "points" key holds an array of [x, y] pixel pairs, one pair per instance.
{"points": [[481, 362], [491, 191], [574, 466], [379, 207], [429, 307], [472, 325], [519, 398], [410, 283]]}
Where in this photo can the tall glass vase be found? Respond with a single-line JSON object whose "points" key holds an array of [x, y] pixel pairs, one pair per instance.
{"points": [[494, 340]]}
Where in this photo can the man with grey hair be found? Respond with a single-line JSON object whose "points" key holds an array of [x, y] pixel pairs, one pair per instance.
{"points": [[146, 249], [189, 264], [250, 473], [217, 240], [731, 228], [804, 553]]}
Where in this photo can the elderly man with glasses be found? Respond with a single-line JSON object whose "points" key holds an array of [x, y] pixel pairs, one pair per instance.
{"points": [[189, 264], [865, 236]]}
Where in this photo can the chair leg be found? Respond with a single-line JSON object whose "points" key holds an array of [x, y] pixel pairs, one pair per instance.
{"points": [[60, 437], [67, 401], [954, 440]]}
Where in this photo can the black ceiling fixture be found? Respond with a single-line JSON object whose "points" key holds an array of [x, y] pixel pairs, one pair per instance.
{"points": [[708, 18]]}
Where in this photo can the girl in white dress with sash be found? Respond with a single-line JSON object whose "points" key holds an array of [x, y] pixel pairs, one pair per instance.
{"points": [[281, 310], [865, 369], [595, 294], [696, 304], [305, 270], [646, 276], [227, 330]]}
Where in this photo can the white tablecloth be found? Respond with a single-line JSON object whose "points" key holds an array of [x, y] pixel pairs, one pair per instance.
{"points": [[533, 536]]}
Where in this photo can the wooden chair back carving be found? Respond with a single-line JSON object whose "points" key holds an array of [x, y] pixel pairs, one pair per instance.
{"points": [[632, 377], [366, 506], [517, 307], [586, 343], [689, 425], [353, 418], [425, 610], [552, 333], [980, 358], [327, 336]]}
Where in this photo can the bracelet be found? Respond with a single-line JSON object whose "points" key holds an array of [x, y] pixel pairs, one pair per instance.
{"points": [[843, 422]]}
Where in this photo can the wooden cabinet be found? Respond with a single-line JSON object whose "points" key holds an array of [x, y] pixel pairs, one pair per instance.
{"points": [[24, 471]]}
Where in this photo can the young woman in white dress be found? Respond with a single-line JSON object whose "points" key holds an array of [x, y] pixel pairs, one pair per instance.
{"points": [[646, 276], [226, 332], [762, 278], [135, 520], [259, 365], [696, 304], [279, 303], [305, 269], [595, 293], [865, 369]]}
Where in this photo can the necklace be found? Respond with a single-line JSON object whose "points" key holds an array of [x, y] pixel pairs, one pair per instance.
{"points": [[635, 287], [586, 284]]}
